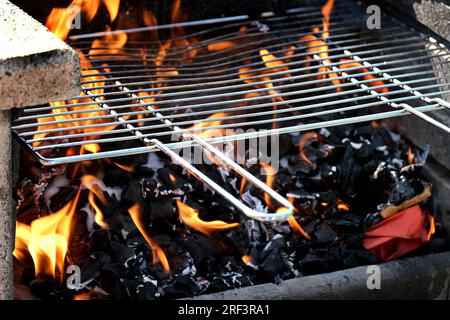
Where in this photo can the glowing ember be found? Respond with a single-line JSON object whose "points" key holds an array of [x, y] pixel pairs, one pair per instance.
{"points": [[190, 217]]}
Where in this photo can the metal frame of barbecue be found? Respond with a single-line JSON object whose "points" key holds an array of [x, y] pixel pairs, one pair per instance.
{"points": [[413, 66]]}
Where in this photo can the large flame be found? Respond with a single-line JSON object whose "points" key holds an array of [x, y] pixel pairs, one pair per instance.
{"points": [[158, 253], [47, 240], [60, 19], [190, 217]]}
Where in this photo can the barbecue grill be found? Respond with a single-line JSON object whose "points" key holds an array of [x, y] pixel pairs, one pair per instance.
{"points": [[353, 75]]}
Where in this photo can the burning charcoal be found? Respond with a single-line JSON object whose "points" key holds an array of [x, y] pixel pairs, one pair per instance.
{"points": [[163, 209], [318, 262], [125, 289], [132, 193], [153, 190], [122, 223], [348, 221], [325, 234], [269, 259], [43, 287], [401, 191], [98, 240], [362, 150], [227, 281], [146, 291], [121, 253], [183, 264], [116, 177], [349, 174], [183, 286], [201, 247], [284, 180]]}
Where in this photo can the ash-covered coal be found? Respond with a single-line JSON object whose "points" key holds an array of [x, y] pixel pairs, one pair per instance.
{"points": [[338, 179]]}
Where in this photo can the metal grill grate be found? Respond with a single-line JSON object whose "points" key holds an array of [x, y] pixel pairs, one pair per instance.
{"points": [[135, 94]]}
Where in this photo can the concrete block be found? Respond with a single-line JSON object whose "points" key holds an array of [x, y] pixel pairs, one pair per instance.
{"points": [[35, 66]]}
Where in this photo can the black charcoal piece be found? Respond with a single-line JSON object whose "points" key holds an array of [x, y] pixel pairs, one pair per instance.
{"points": [[121, 253], [146, 291], [182, 286], [347, 221], [269, 259], [125, 289], [43, 287], [115, 177], [132, 194], [121, 222], [98, 240], [349, 174], [227, 281], [325, 234], [163, 209]]}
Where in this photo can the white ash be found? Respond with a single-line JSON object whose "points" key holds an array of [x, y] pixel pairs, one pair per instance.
{"points": [[154, 161], [54, 186], [356, 146], [253, 202], [325, 132]]}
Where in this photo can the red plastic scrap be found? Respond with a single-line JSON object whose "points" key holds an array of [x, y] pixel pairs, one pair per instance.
{"points": [[397, 235]]}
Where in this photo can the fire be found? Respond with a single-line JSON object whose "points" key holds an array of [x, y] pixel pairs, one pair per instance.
{"points": [[190, 217], [432, 226], [246, 259], [306, 138], [60, 20], [326, 11], [47, 240], [158, 253], [109, 44], [129, 169], [271, 61], [341, 205], [270, 174], [199, 128], [94, 185], [410, 156], [295, 225], [368, 77], [219, 46]]}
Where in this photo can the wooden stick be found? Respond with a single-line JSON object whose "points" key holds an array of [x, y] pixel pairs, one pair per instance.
{"points": [[393, 209]]}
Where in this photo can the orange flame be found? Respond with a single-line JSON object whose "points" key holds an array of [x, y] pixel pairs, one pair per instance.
{"points": [[432, 226], [410, 156], [199, 128], [93, 185], [246, 259], [129, 169], [306, 138], [326, 11], [341, 205], [47, 240], [60, 19], [270, 174], [158, 253], [190, 217], [368, 77]]}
